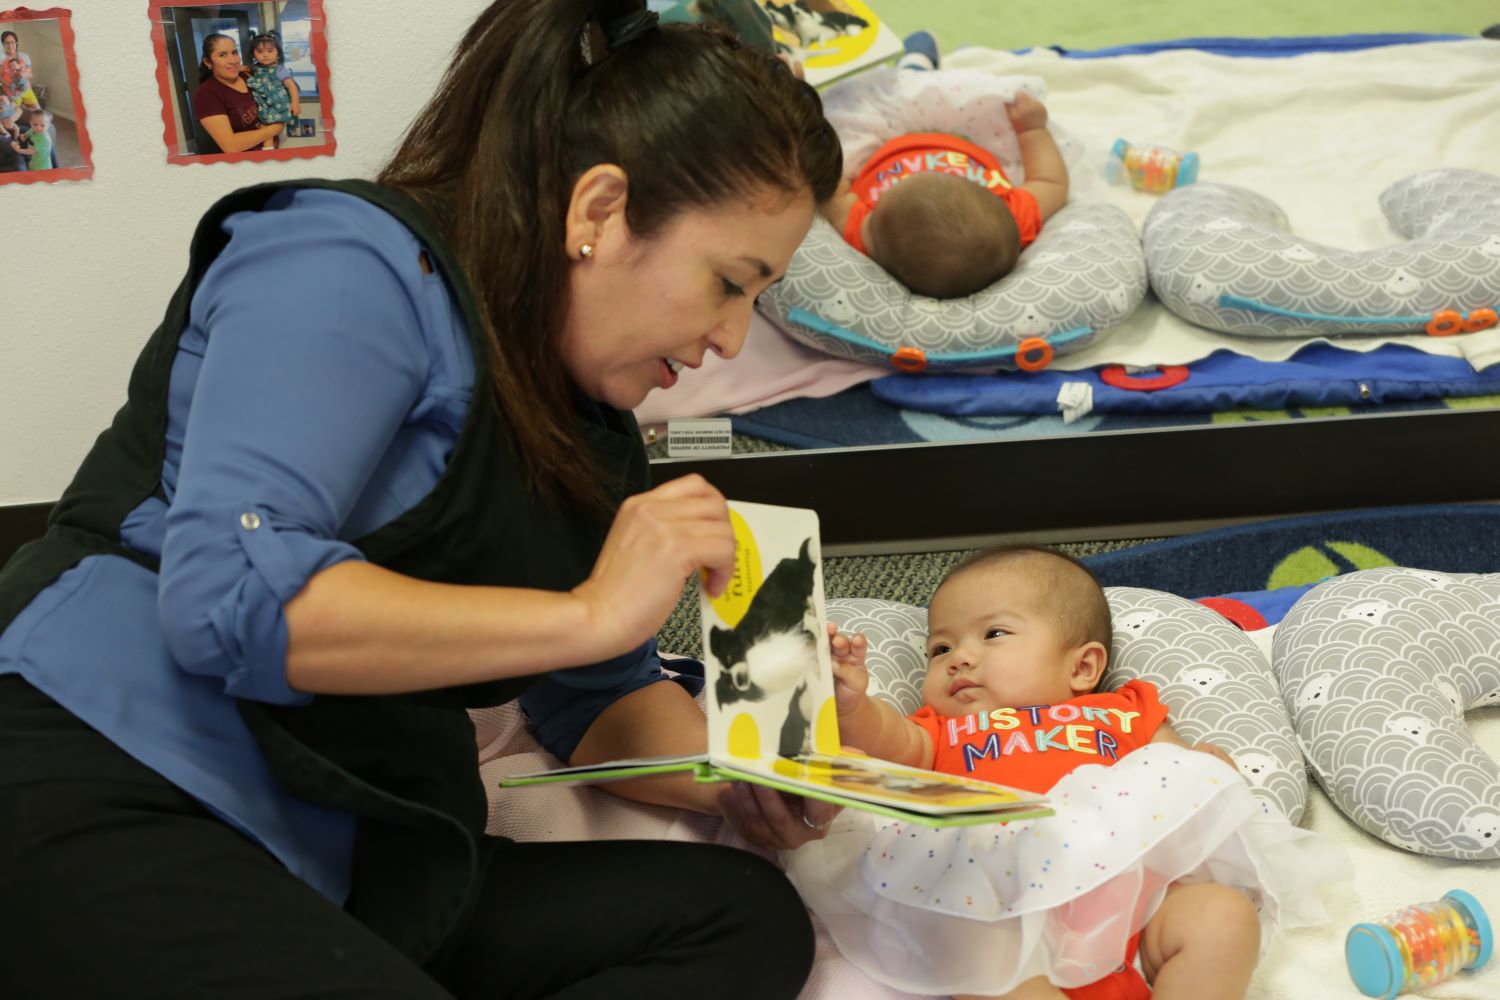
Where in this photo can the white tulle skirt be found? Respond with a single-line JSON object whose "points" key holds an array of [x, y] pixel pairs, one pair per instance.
{"points": [[981, 909]]}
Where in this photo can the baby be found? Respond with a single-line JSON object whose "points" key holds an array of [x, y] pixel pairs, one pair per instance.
{"points": [[1018, 641], [37, 147], [938, 212]]}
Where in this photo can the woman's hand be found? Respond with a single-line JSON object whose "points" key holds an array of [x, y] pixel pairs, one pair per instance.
{"points": [[657, 539], [772, 820]]}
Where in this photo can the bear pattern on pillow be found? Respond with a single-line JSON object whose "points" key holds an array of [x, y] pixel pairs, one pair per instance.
{"points": [[1377, 669]]}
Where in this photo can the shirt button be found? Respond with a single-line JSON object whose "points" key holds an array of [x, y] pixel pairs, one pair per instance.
{"points": [[249, 520]]}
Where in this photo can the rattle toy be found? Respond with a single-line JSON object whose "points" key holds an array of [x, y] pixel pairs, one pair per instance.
{"points": [[1419, 946], [1154, 169]]}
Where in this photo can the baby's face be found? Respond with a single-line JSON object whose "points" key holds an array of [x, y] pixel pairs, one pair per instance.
{"points": [[990, 644], [265, 54]]}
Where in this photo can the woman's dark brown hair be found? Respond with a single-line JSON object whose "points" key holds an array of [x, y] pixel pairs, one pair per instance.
{"points": [[694, 119]]}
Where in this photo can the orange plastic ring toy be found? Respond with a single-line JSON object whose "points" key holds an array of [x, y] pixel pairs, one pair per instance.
{"points": [[909, 359], [1480, 319], [1445, 324], [1033, 354]]}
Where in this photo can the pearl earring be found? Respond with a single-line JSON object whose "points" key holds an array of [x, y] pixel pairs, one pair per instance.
{"points": [[586, 250]]}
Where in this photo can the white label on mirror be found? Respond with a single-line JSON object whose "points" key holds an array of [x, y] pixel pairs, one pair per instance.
{"points": [[709, 438]]}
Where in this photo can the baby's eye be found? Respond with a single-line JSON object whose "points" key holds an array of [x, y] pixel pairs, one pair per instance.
{"points": [[995, 632], [731, 289], [936, 651]]}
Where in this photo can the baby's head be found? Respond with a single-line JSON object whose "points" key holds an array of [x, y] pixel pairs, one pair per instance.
{"points": [[266, 48], [40, 120], [15, 65], [1014, 627], [942, 236]]}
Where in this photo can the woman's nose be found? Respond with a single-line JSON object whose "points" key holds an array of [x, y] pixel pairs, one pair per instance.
{"points": [[729, 337]]}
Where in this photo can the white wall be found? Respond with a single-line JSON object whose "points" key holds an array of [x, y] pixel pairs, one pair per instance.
{"points": [[107, 253]]}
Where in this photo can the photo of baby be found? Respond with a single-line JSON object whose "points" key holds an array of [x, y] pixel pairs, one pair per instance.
{"points": [[42, 132], [242, 80]]}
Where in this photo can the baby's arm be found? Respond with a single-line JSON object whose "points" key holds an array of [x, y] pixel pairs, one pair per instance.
{"points": [[291, 88], [1166, 734], [869, 724], [1046, 173]]}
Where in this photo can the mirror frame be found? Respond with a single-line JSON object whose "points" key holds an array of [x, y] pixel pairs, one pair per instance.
{"points": [[1116, 484]]}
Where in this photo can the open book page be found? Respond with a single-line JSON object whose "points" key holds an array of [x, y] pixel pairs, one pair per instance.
{"points": [[831, 38], [771, 708], [772, 717]]}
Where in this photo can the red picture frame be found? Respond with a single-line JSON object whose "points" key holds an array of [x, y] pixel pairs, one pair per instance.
{"points": [[18, 19], [175, 27]]}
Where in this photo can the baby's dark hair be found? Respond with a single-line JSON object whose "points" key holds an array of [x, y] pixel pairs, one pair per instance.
{"points": [[943, 236], [1068, 588], [269, 37]]}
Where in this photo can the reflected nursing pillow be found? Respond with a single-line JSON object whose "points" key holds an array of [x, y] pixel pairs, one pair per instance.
{"points": [[1223, 257], [1377, 669]]}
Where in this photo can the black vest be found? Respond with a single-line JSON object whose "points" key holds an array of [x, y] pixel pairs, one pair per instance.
{"points": [[407, 766]]}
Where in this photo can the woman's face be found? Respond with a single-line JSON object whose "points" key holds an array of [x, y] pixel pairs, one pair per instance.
{"points": [[224, 59], [638, 309], [12, 45]]}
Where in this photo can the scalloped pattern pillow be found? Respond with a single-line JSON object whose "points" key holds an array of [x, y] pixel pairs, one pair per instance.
{"points": [[1215, 681], [1085, 273], [1377, 669], [1224, 257]]}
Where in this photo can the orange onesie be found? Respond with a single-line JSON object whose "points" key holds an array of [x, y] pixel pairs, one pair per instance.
{"points": [[1034, 746], [941, 152]]}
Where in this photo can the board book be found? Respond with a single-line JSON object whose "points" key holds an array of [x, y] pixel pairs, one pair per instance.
{"points": [[772, 718], [831, 38]]}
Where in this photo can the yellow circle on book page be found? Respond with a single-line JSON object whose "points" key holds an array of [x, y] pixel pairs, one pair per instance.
{"points": [[826, 731], [846, 48], [744, 737], [732, 604]]}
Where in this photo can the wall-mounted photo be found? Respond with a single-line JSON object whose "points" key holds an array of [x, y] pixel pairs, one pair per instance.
{"points": [[243, 81], [42, 132]]}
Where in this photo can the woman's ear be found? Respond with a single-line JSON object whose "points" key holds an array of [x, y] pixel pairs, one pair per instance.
{"points": [[1088, 666], [597, 207]]}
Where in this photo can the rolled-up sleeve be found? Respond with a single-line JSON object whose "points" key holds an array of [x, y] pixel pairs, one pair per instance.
{"points": [[563, 705], [309, 357]]}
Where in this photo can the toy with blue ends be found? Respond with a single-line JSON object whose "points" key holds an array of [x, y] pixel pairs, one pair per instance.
{"points": [[1154, 169], [1420, 946]]}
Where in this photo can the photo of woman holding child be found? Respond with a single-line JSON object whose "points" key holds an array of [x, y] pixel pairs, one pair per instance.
{"points": [[237, 79], [42, 134]]}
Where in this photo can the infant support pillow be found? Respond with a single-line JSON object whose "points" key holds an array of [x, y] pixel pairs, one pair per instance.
{"points": [[1083, 274], [1377, 669], [1215, 682], [1223, 257]]}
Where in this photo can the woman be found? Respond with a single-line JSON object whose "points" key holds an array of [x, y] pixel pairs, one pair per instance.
{"points": [[15, 70], [223, 104], [234, 756]]}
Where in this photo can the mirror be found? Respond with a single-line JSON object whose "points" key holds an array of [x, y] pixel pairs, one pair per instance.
{"points": [[1321, 133]]}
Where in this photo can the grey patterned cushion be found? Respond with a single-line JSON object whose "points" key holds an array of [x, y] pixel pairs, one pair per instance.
{"points": [[1084, 274], [1377, 669], [1215, 682], [1215, 250]]}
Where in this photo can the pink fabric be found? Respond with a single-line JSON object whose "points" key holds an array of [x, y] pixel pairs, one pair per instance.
{"points": [[770, 368], [583, 812]]}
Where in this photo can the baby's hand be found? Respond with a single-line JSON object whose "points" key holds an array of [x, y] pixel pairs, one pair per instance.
{"points": [[1026, 112], [851, 680]]}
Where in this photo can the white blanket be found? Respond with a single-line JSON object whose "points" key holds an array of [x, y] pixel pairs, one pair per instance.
{"points": [[1321, 134], [1304, 964]]}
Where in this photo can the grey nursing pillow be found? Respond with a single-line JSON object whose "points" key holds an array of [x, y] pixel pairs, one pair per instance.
{"points": [[1223, 257]]}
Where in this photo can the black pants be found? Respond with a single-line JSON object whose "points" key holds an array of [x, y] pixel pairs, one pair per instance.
{"points": [[113, 883]]}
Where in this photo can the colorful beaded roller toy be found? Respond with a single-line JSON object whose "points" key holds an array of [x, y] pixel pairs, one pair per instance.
{"points": [[1417, 947]]}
